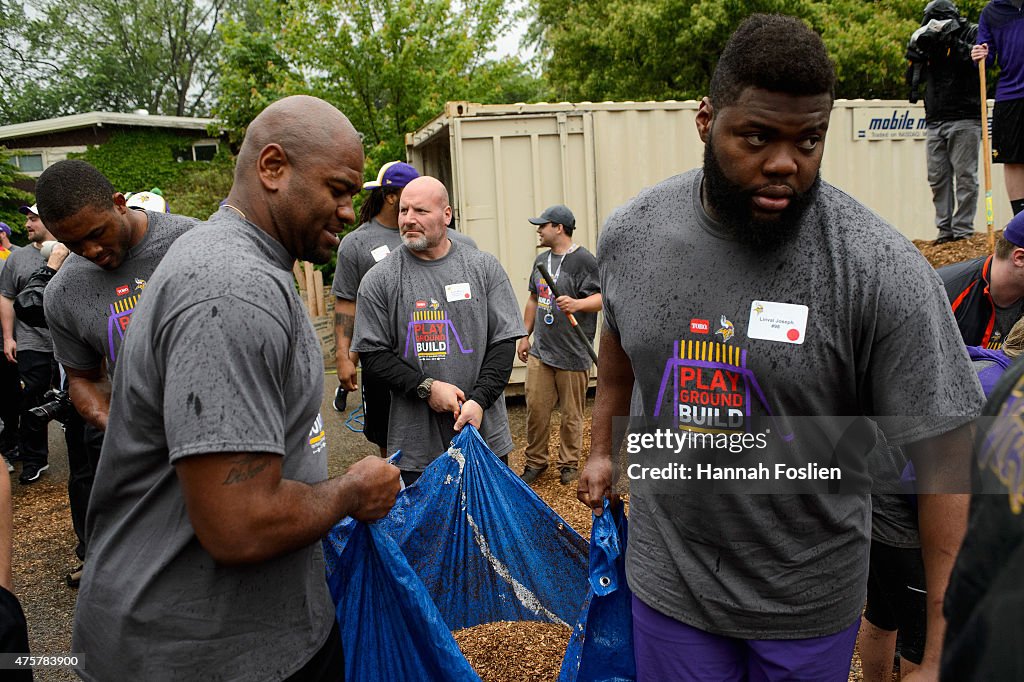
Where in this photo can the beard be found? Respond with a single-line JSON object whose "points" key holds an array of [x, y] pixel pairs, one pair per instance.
{"points": [[732, 205], [419, 244]]}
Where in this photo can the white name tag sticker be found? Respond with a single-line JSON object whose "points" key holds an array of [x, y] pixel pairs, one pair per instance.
{"points": [[782, 322], [380, 253], [458, 292]]}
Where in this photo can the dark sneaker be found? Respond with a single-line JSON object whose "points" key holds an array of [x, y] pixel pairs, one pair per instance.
{"points": [[530, 475], [31, 473], [12, 455], [75, 577], [340, 399], [944, 239], [10, 467], [569, 474]]}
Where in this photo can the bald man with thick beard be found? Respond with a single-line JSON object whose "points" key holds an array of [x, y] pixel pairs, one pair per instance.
{"points": [[212, 491]]}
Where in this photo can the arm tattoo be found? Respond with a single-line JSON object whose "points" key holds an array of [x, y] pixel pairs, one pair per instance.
{"points": [[245, 467], [345, 322]]}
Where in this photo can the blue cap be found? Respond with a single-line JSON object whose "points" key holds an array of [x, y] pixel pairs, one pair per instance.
{"points": [[5, 228]]}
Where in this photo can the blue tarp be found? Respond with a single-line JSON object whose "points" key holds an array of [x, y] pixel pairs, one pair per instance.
{"points": [[482, 547], [390, 628], [485, 545], [601, 646]]}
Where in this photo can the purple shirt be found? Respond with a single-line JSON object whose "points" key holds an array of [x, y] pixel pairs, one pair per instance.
{"points": [[1002, 26]]}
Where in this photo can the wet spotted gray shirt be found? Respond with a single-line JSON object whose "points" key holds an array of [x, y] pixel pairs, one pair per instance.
{"points": [[717, 336], [220, 358], [88, 308], [554, 341], [438, 316]]}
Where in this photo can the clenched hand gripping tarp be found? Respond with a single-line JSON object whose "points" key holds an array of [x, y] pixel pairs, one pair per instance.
{"points": [[469, 543], [601, 646]]}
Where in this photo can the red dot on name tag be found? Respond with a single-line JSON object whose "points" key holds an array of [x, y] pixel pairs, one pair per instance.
{"points": [[792, 335], [467, 295]]}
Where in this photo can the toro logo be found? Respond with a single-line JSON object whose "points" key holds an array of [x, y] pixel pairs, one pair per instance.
{"points": [[700, 326], [124, 290]]}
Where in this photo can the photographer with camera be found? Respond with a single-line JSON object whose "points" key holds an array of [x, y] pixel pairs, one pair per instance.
{"points": [[940, 58], [29, 347], [82, 448]]}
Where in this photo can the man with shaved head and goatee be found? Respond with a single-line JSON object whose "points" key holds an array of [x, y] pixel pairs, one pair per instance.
{"points": [[212, 492], [437, 321]]}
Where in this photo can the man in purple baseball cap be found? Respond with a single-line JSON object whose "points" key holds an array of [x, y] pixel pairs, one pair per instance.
{"points": [[5, 241], [395, 174], [987, 293]]}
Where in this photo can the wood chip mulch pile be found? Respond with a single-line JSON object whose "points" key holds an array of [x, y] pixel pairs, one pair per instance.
{"points": [[515, 652], [954, 252], [522, 651]]}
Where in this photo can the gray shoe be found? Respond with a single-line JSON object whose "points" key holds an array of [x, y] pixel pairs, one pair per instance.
{"points": [[530, 475], [569, 474]]}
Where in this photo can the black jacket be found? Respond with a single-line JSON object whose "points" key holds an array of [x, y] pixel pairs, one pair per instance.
{"points": [[944, 66], [967, 288]]}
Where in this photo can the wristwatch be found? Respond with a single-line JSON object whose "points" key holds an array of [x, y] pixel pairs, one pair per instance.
{"points": [[423, 390]]}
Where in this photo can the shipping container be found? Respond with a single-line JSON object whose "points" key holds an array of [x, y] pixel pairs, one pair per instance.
{"points": [[503, 164]]}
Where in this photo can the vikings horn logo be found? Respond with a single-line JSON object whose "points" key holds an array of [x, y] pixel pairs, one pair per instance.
{"points": [[140, 284], [434, 305], [726, 330]]}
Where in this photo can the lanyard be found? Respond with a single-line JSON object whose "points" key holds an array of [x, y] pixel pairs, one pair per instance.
{"points": [[554, 275]]}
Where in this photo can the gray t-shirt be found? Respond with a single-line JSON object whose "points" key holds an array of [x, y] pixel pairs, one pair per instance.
{"points": [[88, 308], [439, 317], [363, 248], [893, 509], [13, 278], [556, 344], [221, 358], [879, 339]]}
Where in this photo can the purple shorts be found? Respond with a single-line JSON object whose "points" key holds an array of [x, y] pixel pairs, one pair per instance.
{"points": [[667, 649]]}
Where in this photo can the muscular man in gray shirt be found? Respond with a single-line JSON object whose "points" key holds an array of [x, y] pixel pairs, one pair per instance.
{"points": [[750, 292], [212, 492]]}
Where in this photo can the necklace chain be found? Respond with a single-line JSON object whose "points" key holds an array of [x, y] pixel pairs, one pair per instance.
{"points": [[236, 210]]}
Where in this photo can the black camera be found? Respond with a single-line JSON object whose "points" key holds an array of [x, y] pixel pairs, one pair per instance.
{"points": [[57, 406]]}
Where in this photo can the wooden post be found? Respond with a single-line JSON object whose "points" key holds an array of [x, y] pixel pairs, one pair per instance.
{"points": [[318, 282], [310, 288]]}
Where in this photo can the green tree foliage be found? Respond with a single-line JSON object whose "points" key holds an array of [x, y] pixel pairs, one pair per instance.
{"points": [[667, 49], [140, 160], [11, 197], [113, 55], [389, 65]]}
